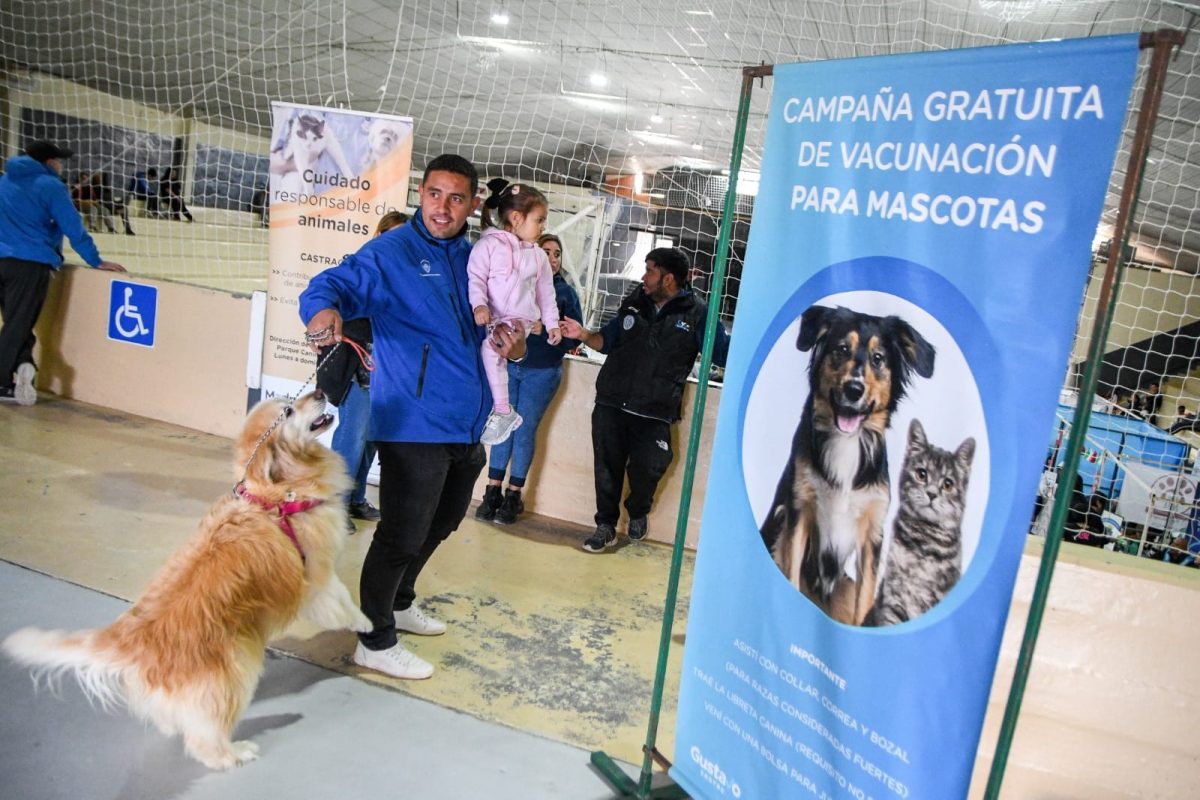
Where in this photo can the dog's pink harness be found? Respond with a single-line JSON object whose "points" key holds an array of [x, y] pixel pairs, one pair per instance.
{"points": [[285, 510]]}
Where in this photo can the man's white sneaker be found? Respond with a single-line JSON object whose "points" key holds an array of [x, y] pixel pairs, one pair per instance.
{"points": [[394, 661], [24, 392], [499, 427], [414, 620]]}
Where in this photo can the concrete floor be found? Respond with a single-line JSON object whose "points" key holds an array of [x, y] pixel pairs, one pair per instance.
{"points": [[550, 653], [323, 734]]}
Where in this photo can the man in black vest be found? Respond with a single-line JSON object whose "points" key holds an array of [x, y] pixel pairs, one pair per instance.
{"points": [[651, 346]]}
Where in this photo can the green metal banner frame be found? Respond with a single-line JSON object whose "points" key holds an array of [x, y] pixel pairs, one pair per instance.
{"points": [[1161, 42], [624, 785]]}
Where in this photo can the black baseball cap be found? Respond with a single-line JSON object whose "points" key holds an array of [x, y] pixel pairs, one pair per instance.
{"points": [[43, 150]]}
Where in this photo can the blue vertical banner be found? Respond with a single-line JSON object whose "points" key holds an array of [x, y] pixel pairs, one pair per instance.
{"points": [[917, 257]]}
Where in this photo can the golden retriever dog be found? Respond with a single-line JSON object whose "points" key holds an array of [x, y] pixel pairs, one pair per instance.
{"points": [[834, 492], [188, 654]]}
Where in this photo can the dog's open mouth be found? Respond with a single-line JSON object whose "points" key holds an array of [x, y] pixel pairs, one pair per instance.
{"points": [[849, 424], [848, 419], [321, 423]]}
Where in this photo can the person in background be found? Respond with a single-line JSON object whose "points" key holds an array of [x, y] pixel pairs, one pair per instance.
{"points": [[138, 188], [1084, 524], [1192, 540], [1184, 421], [260, 207], [651, 344], [345, 379], [532, 384], [110, 204], [83, 198], [1154, 401], [35, 212], [154, 204], [429, 399], [170, 196]]}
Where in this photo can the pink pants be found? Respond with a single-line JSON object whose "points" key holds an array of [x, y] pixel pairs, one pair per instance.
{"points": [[496, 365]]}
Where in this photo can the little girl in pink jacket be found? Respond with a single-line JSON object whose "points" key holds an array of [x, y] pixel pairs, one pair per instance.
{"points": [[510, 281]]}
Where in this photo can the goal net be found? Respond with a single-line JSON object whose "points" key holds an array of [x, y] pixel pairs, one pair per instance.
{"points": [[624, 114]]}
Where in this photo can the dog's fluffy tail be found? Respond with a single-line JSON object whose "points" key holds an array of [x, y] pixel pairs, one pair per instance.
{"points": [[52, 654]]}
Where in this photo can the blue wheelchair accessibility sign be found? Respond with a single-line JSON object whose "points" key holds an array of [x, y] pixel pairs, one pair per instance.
{"points": [[132, 308]]}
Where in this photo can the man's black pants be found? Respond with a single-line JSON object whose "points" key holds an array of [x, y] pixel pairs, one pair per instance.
{"points": [[23, 288], [424, 492], [626, 444]]}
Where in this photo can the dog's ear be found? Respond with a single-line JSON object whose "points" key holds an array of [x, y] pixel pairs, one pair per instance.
{"points": [[260, 466], [814, 324], [916, 353]]}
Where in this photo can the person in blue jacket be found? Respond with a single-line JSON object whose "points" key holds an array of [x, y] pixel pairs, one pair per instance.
{"points": [[429, 396], [35, 211]]}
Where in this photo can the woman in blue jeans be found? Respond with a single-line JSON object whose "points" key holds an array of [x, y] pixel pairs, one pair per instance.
{"points": [[531, 386]]}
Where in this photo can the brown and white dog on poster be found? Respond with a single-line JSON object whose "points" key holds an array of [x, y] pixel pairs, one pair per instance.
{"points": [[834, 493], [188, 654]]}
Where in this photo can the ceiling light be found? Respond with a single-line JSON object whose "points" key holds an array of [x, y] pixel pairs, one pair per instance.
{"points": [[697, 147], [650, 137], [656, 118], [747, 182], [507, 45], [595, 103], [598, 80], [500, 18]]}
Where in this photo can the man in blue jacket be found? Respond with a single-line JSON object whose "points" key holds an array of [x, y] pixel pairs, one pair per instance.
{"points": [[429, 396], [35, 211]]}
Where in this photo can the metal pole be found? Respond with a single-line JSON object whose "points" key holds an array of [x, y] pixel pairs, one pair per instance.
{"points": [[1162, 42], [599, 759], [1150, 506], [689, 471]]}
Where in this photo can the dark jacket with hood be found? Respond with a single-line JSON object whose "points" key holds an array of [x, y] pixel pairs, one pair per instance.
{"points": [[651, 352]]}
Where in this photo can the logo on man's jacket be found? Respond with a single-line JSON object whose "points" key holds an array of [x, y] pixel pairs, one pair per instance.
{"points": [[627, 323], [426, 269], [683, 325]]}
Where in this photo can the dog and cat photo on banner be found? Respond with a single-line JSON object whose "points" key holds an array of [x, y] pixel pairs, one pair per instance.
{"points": [[919, 248]]}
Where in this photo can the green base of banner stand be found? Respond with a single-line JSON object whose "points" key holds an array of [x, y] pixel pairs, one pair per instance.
{"points": [[627, 786]]}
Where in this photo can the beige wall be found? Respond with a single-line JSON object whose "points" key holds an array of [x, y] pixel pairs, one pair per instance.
{"points": [[1150, 301], [194, 376], [560, 480], [1112, 705]]}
